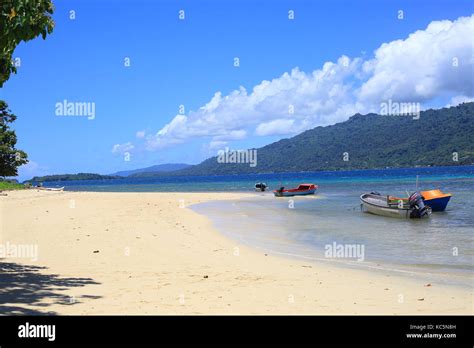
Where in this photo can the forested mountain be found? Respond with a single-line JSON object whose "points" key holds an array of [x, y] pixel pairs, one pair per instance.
{"points": [[366, 141]]}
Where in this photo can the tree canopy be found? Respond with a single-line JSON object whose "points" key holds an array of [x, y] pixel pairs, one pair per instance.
{"points": [[21, 20], [10, 157]]}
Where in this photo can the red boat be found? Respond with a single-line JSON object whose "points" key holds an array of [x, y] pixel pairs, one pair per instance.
{"points": [[301, 190]]}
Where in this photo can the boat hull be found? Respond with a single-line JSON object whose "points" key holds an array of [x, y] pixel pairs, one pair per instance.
{"points": [[388, 212], [50, 188], [379, 205], [291, 194], [437, 204], [436, 199]]}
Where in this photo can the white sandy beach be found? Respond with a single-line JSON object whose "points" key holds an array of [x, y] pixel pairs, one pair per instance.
{"points": [[147, 253]]}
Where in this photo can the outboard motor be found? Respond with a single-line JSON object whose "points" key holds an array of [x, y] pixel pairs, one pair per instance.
{"points": [[419, 209]]}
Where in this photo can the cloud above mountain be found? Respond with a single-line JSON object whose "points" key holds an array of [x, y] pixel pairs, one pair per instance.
{"points": [[430, 63]]}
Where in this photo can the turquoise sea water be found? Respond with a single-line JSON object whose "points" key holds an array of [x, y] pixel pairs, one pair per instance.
{"points": [[246, 182], [440, 248]]}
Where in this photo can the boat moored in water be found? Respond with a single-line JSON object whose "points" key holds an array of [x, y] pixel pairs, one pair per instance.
{"points": [[260, 187], [390, 206], [301, 190], [436, 199]]}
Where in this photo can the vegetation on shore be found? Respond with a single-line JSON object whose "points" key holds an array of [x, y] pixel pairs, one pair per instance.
{"points": [[10, 157], [6, 185]]}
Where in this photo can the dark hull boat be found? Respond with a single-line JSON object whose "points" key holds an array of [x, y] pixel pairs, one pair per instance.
{"points": [[436, 199], [301, 190], [260, 187]]}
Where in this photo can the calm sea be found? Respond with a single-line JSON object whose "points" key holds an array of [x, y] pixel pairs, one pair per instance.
{"points": [[246, 182], [440, 248]]}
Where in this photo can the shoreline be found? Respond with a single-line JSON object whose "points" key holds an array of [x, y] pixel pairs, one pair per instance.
{"points": [[149, 253], [305, 251]]}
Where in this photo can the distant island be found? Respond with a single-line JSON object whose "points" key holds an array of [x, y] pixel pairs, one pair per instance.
{"points": [[141, 172], [69, 177]]}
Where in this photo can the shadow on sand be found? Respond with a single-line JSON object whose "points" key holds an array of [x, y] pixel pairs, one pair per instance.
{"points": [[23, 287]]}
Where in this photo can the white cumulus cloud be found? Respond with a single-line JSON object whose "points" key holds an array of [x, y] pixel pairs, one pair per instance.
{"points": [[280, 126], [428, 64]]}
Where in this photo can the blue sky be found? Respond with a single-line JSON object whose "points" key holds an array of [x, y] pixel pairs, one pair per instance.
{"points": [[177, 62]]}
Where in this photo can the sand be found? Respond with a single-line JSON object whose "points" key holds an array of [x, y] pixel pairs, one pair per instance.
{"points": [[148, 253]]}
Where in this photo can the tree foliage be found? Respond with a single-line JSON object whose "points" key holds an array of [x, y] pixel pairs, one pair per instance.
{"points": [[10, 157], [21, 20]]}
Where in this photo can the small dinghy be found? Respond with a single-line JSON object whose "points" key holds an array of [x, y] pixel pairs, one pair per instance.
{"points": [[301, 190], [377, 204], [260, 187], [50, 188]]}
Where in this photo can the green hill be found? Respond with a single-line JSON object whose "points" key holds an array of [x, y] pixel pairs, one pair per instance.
{"points": [[370, 141], [67, 177]]}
